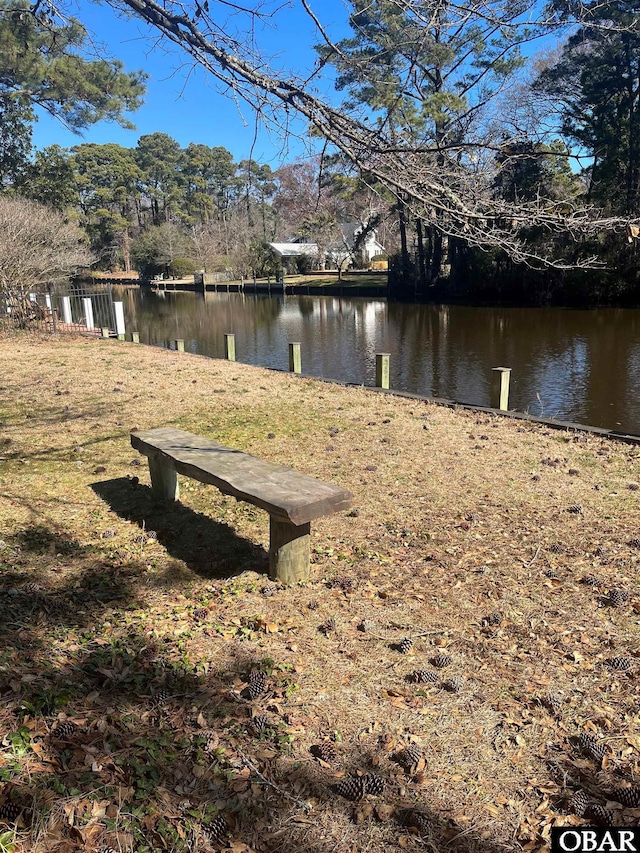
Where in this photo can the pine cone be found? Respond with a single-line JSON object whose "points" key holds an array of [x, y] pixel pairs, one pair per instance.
{"points": [[628, 797], [260, 724], [492, 619], [555, 548], [580, 803], [328, 626], [32, 588], [424, 676], [325, 751], [420, 822], [409, 756], [634, 543], [551, 574], [211, 741], [218, 829], [453, 685], [599, 814], [442, 660], [552, 703], [160, 698], [576, 509], [591, 747], [107, 849], [10, 812], [591, 580], [373, 784], [620, 664], [601, 551], [63, 730], [618, 597], [268, 589], [404, 645], [344, 582], [200, 613], [257, 684], [352, 789], [152, 534]]}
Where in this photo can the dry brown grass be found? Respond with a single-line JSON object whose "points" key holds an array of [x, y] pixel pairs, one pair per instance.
{"points": [[458, 516]]}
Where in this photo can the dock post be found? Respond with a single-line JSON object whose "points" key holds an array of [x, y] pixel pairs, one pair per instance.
{"points": [[295, 363], [230, 347], [382, 370], [88, 312], [66, 310], [500, 377], [118, 308], [179, 345]]}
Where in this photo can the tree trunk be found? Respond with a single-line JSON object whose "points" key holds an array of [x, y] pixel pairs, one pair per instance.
{"points": [[422, 269], [436, 257], [405, 263], [126, 250]]}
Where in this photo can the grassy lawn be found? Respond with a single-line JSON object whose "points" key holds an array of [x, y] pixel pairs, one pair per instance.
{"points": [[349, 280], [130, 631]]}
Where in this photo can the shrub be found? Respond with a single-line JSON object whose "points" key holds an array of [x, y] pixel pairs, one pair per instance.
{"points": [[182, 267]]}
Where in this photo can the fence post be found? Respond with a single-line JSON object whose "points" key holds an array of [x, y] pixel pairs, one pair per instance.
{"points": [[105, 331], [295, 364], [500, 388], [135, 337], [382, 370], [66, 310], [230, 347], [118, 308], [88, 312], [179, 345]]}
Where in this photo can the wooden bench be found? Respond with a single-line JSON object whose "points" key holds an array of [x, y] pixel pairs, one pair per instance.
{"points": [[292, 500]]}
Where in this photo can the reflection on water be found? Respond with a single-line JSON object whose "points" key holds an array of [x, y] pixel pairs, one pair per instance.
{"points": [[578, 365]]}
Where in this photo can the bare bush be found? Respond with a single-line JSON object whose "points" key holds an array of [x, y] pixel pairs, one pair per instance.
{"points": [[38, 247]]}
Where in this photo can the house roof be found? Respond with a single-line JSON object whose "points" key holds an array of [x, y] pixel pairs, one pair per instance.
{"points": [[293, 250]]}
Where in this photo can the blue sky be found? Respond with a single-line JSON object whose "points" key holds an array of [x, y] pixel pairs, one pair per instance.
{"points": [[185, 102]]}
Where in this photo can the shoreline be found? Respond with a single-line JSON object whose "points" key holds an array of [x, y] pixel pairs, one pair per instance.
{"points": [[139, 624]]}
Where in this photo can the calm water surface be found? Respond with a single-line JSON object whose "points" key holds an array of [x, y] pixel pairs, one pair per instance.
{"points": [[578, 365]]}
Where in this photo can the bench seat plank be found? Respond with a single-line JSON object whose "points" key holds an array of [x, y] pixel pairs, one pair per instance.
{"points": [[284, 493]]}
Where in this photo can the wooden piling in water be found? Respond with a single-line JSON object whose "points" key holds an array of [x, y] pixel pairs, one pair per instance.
{"points": [[500, 377], [295, 362], [382, 370], [230, 347]]}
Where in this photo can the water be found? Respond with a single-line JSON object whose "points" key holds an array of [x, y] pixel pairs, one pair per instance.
{"points": [[576, 365]]}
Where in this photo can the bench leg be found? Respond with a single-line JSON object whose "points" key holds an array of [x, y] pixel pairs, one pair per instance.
{"points": [[289, 551], [164, 480]]}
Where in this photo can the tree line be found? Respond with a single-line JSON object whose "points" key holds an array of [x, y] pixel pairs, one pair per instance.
{"points": [[494, 174], [160, 207]]}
